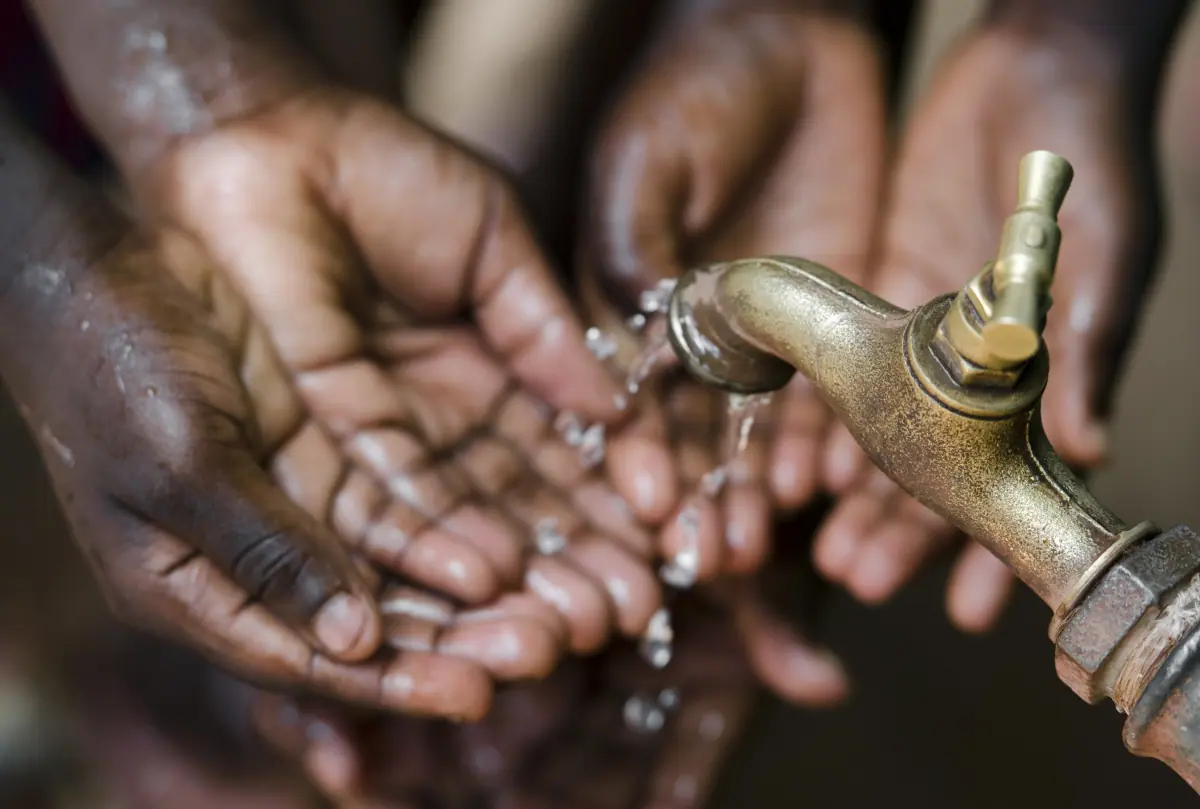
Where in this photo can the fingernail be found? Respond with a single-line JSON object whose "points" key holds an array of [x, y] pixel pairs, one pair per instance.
{"points": [[341, 622], [874, 577], [821, 669], [644, 491]]}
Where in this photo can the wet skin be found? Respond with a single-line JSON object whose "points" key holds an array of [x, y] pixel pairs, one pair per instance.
{"points": [[560, 743], [402, 341], [1085, 88], [761, 132], [755, 130], [394, 316]]}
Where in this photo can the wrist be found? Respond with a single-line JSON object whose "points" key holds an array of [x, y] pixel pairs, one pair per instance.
{"points": [[147, 74]]}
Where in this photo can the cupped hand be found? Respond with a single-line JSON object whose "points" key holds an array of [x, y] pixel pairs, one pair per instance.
{"points": [[1004, 93], [424, 349], [155, 443], [611, 731], [753, 132]]}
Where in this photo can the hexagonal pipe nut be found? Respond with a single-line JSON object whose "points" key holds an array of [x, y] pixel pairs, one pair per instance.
{"points": [[1136, 584]]}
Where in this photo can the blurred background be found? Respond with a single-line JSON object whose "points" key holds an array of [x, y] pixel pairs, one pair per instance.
{"points": [[937, 719]]}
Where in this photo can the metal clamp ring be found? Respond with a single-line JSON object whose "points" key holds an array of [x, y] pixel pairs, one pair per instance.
{"points": [[1081, 587]]}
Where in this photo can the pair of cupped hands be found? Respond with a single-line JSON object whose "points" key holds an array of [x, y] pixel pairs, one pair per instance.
{"points": [[316, 439]]}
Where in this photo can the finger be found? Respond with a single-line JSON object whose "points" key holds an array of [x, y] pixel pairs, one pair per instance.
{"points": [[802, 420], [843, 461], [525, 606], [321, 739], [508, 645], [187, 597], [228, 509], [610, 514], [633, 590], [404, 525], [1080, 336], [640, 463], [692, 542], [582, 602], [650, 186], [840, 538], [894, 549], [747, 501], [440, 231], [980, 585], [790, 666]]}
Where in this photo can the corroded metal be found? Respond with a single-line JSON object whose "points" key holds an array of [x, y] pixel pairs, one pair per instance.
{"points": [[978, 457], [946, 400]]}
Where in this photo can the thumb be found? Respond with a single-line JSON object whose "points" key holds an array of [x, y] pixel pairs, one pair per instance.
{"points": [[230, 512]]}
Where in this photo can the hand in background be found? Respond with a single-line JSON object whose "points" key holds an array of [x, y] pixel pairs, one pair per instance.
{"points": [[1005, 92], [751, 132], [571, 741]]}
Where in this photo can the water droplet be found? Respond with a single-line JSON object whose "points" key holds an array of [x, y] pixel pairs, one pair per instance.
{"points": [[682, 570], [657, 299], [656, 645], [603, 346], [591, 446], [85, 325], [621, 401], [714, 481], [548, 539], [643, 715], [568, 425], [668, 699], [636, 323]]}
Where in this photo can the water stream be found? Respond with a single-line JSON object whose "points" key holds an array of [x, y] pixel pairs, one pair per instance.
{"points": [[642, 713]]}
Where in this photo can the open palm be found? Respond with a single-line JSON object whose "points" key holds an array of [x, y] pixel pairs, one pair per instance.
{"points": [[421, 348]]}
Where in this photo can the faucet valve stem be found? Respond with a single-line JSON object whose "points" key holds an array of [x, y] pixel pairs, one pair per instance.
{"points": [[995, 324]]}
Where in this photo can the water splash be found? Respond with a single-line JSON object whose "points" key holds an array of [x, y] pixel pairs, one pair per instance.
{"points": [[658, 640], [547, 538], [602, 345], [648, 714], [657, 299], [682, 571], [644, 715], [742, 412], [656, 355], [589, 440]]}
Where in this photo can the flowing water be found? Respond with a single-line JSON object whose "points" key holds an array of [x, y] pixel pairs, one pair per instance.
{"points": [[642, 713]]}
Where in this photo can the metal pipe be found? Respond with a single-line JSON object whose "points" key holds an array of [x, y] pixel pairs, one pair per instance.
{"points": [[977, 457]]}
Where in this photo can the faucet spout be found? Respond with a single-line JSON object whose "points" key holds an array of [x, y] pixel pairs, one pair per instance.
{"points": [[946, 400], [977, 456]]}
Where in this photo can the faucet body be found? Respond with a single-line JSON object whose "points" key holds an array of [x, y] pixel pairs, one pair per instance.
{"points": [[985, 466], [946, 401]]}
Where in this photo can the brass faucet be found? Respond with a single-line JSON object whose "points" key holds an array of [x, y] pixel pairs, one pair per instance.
{"points": [[946, 400]]}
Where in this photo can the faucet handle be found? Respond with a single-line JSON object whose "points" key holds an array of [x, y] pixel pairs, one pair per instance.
{"points": [[1024, 265]]}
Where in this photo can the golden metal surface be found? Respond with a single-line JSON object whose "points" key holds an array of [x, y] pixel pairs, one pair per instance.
{"points": [[945, 398], [995, 476], [995, 325]]}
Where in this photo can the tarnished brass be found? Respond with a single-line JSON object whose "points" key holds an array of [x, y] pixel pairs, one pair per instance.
{"points": [[946, 400], [995, 324], [977, 456]]}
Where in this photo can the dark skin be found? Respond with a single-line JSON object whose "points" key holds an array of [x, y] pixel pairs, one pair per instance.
{"points": [[726, 149], [757, 128], [397, 235], [1078, 78], [416, 326], [559, 743]]}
